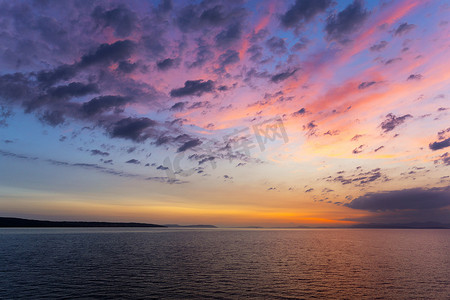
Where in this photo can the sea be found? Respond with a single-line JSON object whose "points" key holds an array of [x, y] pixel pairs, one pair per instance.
{"points": [[165, 263]]}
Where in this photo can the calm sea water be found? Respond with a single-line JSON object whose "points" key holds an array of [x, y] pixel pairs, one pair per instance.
{"points": [[224, 264]]}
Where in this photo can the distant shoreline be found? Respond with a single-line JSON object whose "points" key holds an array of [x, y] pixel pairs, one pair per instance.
{"points": [[10, 222], [21, 223]]}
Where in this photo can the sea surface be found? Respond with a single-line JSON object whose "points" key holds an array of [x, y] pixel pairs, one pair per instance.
{"points": [[164, 263]]}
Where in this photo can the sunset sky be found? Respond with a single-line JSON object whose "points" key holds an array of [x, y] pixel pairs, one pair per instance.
{"points": [[233, 113]]}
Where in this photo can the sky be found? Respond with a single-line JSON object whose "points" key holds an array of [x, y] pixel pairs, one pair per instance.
{"points": [[233, 113]]}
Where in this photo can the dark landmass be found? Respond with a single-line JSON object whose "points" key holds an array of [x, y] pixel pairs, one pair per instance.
{"points": [[18, 222], [427, 225], [190, 226]]}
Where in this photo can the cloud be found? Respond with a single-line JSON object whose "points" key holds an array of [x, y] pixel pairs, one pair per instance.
{"points": [[392, 60], [403, 29], [392, 121], [440, 145], [109, 53], [359, 177], [52, 118], [444, 158], [378, 149], [99, 152], [208, 14], [121, 19], [74, 89], [165, 64], [199, 104], [407, 199], [365, 85], [104, 54], [346, 21], [132, 128], [303, 11], [415, 77], [300, 112], [179, 106], [127, 67], [443, 134], [229, 35], [91, 167], [228, 58], [356, 137], [282, 76], [358, 149], [133, 161], [276, 45], [63, 72], [189, 144], [193, 88], [378, 47], [103, 103]]}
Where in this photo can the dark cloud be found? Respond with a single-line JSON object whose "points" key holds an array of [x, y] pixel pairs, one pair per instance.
{"points": [[443, 133], [53, 118], [366, 84], [154, 43], [74, 89], [133, 161], [378, 149], [300, 112], [189, 144], [127, 67], [414, 77], [346, 21], [121, 19], [104, 54], [303, 11], [99, 152], [392, 60], [5, 114], [161, 140], [256, 52], [392, 121], [356, 137], [229, 35], [332, 132], [276, 45], [359, 177], [193, 88], [63, 72], [208, 14], [15, 87], [444, 158], [199, 104], [228, 58], [282, 76], [103, 103], [132, 128], [204, 54], [440, 145], [109, 53], [407, 199], [358, 149], [303, 44], [165, 64], [179, 106], [403, 29], [378, 47]]}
